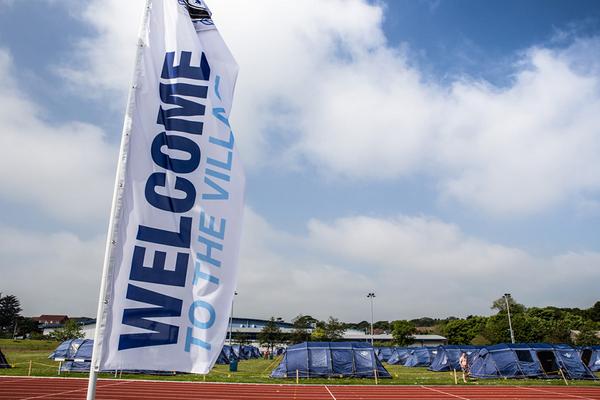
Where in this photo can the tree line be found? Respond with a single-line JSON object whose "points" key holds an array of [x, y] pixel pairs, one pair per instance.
{"points": [[530, 324], [14, 325]]}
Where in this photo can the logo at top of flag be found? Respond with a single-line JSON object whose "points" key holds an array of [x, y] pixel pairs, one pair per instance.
{"points": [[198, 9]]}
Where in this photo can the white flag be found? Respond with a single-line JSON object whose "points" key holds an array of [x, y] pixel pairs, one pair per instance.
{"points": [[173, 263]]}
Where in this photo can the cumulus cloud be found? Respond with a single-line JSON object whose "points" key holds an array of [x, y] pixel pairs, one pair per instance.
{"points": [[65, 170], [415, 265], [51, 272], [319, 85]]}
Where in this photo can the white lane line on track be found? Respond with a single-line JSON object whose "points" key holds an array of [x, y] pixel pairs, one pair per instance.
{"points": [[331, 394], [70, 391], [445, 393], [556, 393], [10, 380]]}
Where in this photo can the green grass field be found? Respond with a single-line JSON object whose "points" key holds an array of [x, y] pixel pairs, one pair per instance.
{"points": [[21, 353]]}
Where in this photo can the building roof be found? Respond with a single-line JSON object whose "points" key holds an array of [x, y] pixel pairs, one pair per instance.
{"points": [[248, 322], [360, 335], [50, 317]]}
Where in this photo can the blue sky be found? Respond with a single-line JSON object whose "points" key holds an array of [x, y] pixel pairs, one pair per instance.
{"points": [[389, 146]]}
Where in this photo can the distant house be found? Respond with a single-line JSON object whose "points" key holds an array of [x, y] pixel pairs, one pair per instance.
{"points": [[45, 320]]}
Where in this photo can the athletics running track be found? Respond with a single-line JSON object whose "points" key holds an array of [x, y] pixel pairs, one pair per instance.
{"points": [[23, 388]]}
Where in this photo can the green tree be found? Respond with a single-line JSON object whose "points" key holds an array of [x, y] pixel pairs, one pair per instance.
{"points": [[319, 335], [270, 334], [500, 305], [425, 322], [403, 332], [334, 329], [71, 330], [10, 309], [594, 312], [588, 335], [463, 331], [302, 325], [383, 326], [27, 327], [242, 338], [327, 331], [364, 326]]}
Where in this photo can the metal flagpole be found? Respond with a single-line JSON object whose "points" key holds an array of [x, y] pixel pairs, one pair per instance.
{"points": [[116, 206], [231, 318]]}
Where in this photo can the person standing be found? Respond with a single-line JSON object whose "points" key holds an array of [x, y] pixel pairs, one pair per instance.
{"points": [[464, 366]]}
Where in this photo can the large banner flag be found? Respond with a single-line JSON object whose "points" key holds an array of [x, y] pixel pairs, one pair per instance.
{"points": [[172, 258]]}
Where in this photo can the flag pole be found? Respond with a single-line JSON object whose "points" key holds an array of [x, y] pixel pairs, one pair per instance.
{"points": [[116, 207]]}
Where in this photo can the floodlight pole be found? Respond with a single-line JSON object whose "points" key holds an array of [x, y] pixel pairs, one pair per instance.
{"points": [[512, 333], [231, 317], [371, 296]]}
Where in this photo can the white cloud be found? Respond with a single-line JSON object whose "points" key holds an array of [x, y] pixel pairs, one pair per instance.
{"points": [[64, 170], [415, 265], [319, 83], [51, 273]]}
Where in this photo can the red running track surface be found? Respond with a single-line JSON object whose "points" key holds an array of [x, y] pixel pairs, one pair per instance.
{"points": [[23, 388]]}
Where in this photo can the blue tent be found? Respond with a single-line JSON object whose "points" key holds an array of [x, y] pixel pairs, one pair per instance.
{"points": [[529, 360], [279, 351], [591, 357], [330, 359], [241, 352], [420, 356], [223, 359], [76, 356], [255, 352], [447, 357], [384, 353], [68, 349], [247, 352], [229, 353], [3, 362], [399, 355]]}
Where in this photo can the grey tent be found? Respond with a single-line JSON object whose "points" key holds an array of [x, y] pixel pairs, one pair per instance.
{"points": [[330, 359], [3, 362]]}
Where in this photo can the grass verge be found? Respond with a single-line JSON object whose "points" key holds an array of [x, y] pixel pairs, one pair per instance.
{"points": [[21, 353]]}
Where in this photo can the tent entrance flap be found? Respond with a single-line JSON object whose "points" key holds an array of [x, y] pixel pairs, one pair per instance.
{"points": [[548, 361], [586, 356]]}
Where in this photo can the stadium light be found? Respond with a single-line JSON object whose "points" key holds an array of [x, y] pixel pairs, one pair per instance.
{"points": [[512, 333], [231, 317], [371, 296]]}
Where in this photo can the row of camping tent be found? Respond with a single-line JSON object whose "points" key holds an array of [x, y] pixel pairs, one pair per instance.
{"points": [[238, 352], [521, 360], [76, 355]]}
